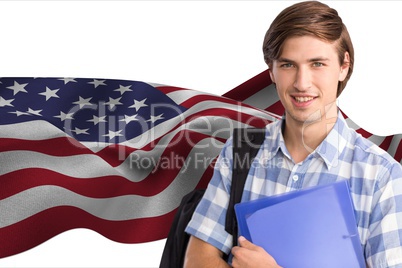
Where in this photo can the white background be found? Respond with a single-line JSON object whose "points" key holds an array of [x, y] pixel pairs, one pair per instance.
{"points": [[208, 46]]}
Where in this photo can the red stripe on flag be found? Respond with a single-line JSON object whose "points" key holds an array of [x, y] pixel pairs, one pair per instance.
{"points": [[169, 89], [398, 153], [167, 167], [29, 232], [386, 143], [200, 98], [276, 108], [56, 147], [250, 87], [364, 133]]}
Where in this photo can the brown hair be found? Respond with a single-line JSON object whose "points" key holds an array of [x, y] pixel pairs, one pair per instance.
{"points": [[309, 18]]}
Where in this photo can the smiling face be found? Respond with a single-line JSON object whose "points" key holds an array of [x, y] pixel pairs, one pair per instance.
{"points": [[306, 77]]}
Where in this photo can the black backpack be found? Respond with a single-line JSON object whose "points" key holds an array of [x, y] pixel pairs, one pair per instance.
{"points": [[246, 143]]}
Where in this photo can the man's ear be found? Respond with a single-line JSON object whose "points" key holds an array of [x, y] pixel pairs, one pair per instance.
{"points": [[344, 67], [271, 75]]}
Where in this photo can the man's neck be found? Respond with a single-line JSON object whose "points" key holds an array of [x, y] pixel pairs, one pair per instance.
{"points": [[302, 139]]}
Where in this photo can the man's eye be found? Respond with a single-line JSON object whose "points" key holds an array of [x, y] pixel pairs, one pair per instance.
{"points": [[286, 65], [318, 64]]}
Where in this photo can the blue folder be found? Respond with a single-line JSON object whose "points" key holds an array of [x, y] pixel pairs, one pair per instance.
{"points": [[310, 228]]}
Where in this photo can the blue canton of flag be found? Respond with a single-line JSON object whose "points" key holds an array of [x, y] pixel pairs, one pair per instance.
{"points": [[107, 111]]}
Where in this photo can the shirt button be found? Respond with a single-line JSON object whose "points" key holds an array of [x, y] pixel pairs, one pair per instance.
{"points": [[295, 177]]}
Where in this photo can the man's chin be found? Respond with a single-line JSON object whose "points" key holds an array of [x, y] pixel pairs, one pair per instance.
{"points": [[306, 118]]}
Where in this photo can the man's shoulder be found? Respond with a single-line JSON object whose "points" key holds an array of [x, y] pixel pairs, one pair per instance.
{"points": [[368, 150]]}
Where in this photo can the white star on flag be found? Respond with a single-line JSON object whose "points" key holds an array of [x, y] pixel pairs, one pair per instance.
{"points": [[113, 134], [96, 120], [129, 119], [49, 93], [4, 102], [80, 131], [123, 89], [34, 112], [82, 102], [153, 119], [18, 87], [19, 113], [64, 116], [67, 79], [138, 104], [113, 102], [97, 83]]}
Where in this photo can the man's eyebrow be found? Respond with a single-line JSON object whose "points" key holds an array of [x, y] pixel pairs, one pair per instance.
{"points": [[284, 60], [310, 60], [318, 59]]}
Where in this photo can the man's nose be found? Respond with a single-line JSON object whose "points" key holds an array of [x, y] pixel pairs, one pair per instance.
{"points": [[303, 79]]}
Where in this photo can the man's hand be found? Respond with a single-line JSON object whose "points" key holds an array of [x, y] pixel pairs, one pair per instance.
{"points": [[250, 255]]}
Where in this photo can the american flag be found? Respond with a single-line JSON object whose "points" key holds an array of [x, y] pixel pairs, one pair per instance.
{"points": [[115, 156]]}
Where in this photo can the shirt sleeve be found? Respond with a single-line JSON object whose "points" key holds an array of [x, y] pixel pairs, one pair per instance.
{"points": [[208, 221], [384, 244]]}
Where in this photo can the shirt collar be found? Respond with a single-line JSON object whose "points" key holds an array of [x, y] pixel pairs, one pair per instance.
{"points": [[276, 142], [333, 145], [329, 149]]}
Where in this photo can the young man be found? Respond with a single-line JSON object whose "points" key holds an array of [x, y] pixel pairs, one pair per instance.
{"points": [[310, 58]]}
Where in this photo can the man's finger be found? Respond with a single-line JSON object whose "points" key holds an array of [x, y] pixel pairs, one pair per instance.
{"points": [[244, 243]]}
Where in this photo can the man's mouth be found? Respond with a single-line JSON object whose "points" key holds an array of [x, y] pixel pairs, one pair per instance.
{"points": [[303, 99]]}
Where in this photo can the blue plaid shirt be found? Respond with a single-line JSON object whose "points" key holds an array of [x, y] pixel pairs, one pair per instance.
{"points": [[375, 180]]}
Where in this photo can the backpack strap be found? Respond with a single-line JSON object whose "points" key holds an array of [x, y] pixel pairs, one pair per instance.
{"points": [[246, 144]]}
